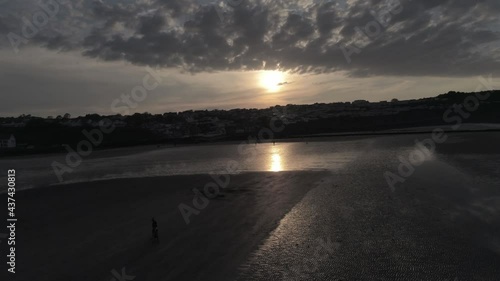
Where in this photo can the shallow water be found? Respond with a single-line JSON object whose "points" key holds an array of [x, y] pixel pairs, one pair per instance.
{"points": [[294, 156], [328, 154]]}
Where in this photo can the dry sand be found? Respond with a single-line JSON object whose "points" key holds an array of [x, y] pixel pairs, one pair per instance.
{"points": [[84, 231]]}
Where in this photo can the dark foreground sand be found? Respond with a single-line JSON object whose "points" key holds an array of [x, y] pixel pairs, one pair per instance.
{"points": [[84, 231]]}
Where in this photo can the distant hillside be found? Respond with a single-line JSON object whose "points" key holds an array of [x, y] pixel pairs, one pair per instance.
{"points": [[49, 134]]}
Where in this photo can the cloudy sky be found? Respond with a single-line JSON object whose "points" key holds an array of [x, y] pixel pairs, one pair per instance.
{"points": [[78, 56]]}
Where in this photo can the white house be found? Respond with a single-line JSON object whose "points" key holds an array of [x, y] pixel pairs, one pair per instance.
{"points": [[7, 141]]}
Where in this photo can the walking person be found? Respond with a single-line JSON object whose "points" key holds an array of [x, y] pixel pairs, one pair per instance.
{"points": [[156, 238]]}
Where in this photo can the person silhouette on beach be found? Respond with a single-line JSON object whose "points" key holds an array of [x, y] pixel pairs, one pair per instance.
{"points": [[155, 230]]}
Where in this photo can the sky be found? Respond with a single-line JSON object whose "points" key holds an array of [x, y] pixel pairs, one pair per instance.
{"points": [[79, 56]]}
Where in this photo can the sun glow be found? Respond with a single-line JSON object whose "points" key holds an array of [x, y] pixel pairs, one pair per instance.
{"points": [[272, 81]]}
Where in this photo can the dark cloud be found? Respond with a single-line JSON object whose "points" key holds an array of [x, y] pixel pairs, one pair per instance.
{"points": [[420, 38]]}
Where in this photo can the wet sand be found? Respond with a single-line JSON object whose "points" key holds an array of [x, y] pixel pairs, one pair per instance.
{"points": [[442, 223]]}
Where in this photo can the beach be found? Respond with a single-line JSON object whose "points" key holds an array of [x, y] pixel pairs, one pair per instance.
{"points": [[84, 231], [197, 140], [343, 223]]}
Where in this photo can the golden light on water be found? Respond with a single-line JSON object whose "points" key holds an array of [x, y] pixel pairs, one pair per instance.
{"points": [[276, 163], [272, 80], [276, 159]]}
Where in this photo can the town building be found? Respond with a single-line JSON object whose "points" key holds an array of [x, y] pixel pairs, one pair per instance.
{"points": [[7, 141]]}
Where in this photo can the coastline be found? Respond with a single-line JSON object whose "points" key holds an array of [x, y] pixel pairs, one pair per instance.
{"points": [[130, 149]]}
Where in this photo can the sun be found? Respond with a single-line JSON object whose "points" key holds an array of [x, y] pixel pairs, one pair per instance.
{"points": [[272, 80]]}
